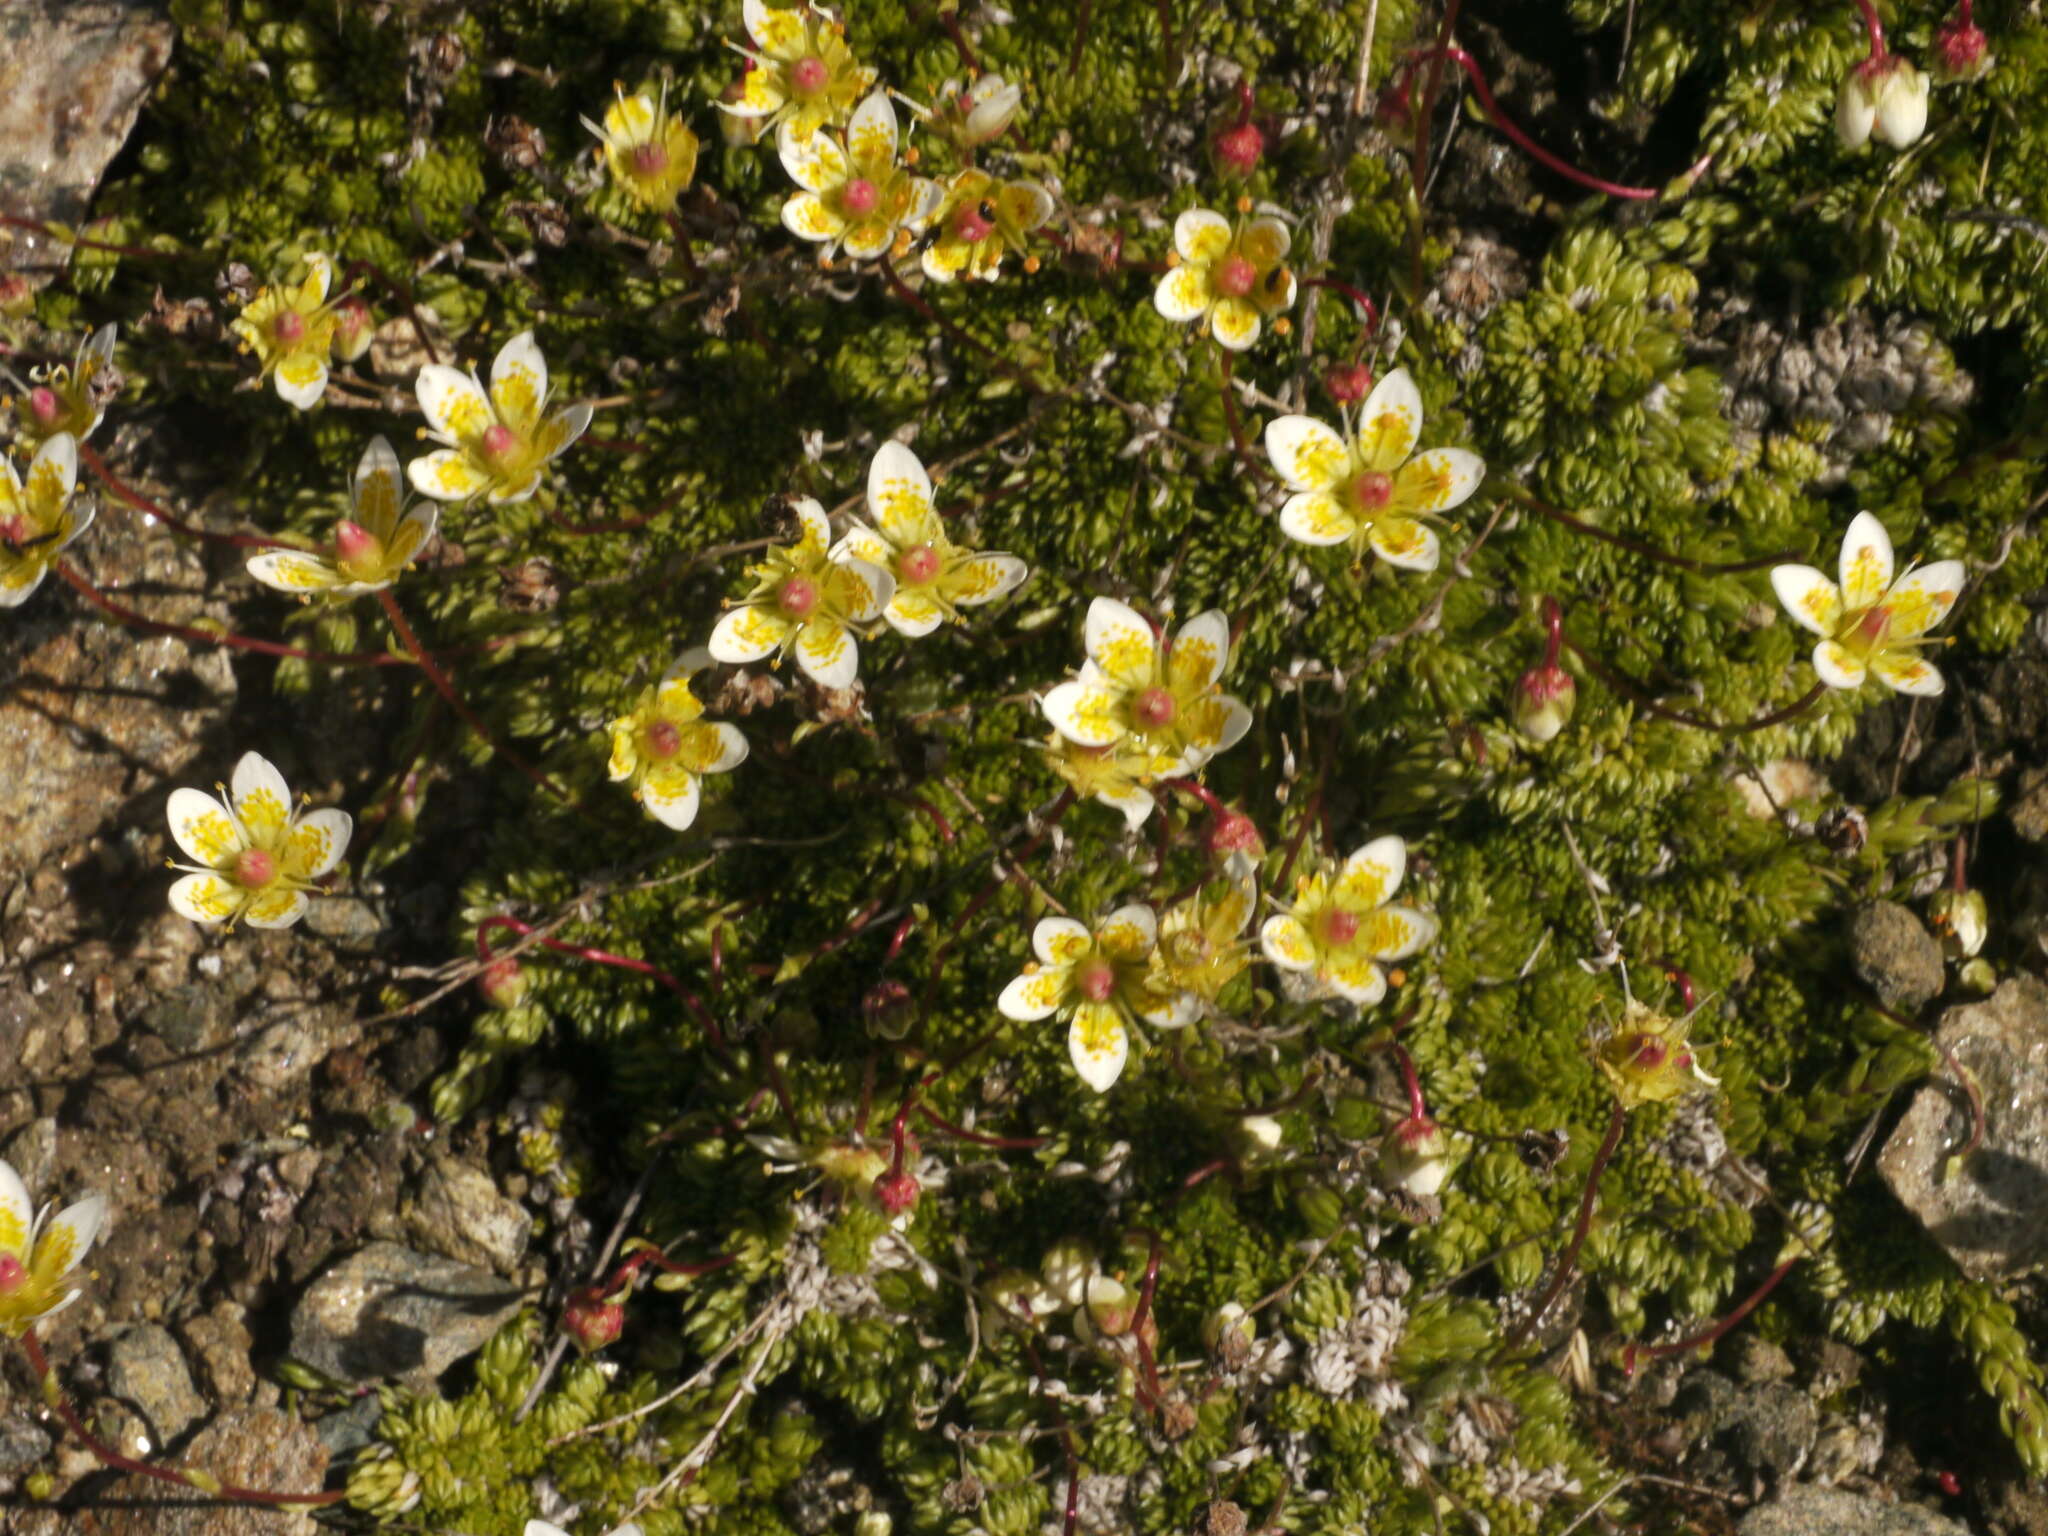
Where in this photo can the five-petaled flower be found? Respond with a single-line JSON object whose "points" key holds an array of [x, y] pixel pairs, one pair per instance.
{"points": [[1648, 1059], [498, 442], [1202, 942], [664, 745], [935, 578], [38, 519], [1230, 279], [255, 855], [856, 196], [980, 221], [1869, 624], [1370, 488], [800, 73], [290, 330], [1105, 981], [1162, 700], [806, 600], [375, 542], [1339, 929], [37, 1252], [69, 399], [651, 155]]}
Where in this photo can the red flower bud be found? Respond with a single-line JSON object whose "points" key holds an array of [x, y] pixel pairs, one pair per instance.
{"points": [[503, 983], [592, 1319], [1239, 148], [896, 1193], [1348, 383]]}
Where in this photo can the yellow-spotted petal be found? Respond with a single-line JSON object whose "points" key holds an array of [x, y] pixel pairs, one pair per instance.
{"points": [[1060, 941], [1403, 542], [316, 843], [809, 217], [864, 242], [1374, 872], [454, 402], [1025, 205], [302, 379], [1168, 1009], [1438, 480], [1838, 666], [1921, 599], [1866, 566], [713, 747], [1903, 672], [291, 571], [871, 131], [1306, 454], [561, 429], [63, 1240], [17, 1213], [1086, 712], [277, 908], [519, 383], [861, 542], [1316, 518], [1286, 942], [913, 612], [814, 161], [671, 795], [1136, 805], [1033, 995], [377, 489], [900, 495], [814, 528], [749, 633], [859, 590], [1201, 647], [777, 31], [1397, 932], [828, 653], [1354, 978], [1128, 933], [1389, 423], [447, 474], [262, 802], [1184, 294], [984, 578], [948, 256], [205, 898], [1098, 1045], [202, 828], [1235, 323], [53, 473], [1119, 641], [1814, 602], [1201, 235]]}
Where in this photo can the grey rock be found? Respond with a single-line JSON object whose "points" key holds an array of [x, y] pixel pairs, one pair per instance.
{"points": [[2029, 810], [387, 1311], [351, 1428], [32, 1153], [460, 1214], [1895, 955], [347, 920], [1755, 1360], [281, 1053], [1836, 1512], [1987, 1212], [1771, 1428], [23, 1443], [146, 1368], [188, 1019]]}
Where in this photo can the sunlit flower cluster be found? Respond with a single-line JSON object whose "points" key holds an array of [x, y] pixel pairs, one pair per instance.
{"points": [[1342, 924], [1103, 982], [799, 73], [39, 517]]}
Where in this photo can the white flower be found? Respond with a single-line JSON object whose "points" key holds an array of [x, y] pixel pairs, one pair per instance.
{"points": [[376, 541], [935, 578], [37, 1252], [38, 520], [255, 855], [855, 196], [1230, 279], [1885, 98], [498, 443], [1869, 624], [1338, 930], [809, 600], [1104, 981]]}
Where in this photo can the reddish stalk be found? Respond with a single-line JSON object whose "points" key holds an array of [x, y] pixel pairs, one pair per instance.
{"points": [[122, 613], [90, 457], [182, 1477], [1201, 793], [81, 243], [1372, 310], [1230, 415], [1636, 1352], [1138, 1320], [1647, 551], [643, 1258], [1206, 1172], [1418, 1108], [1875, 27], [1974, 1095], [604, 957], [1683, 981], [980, 1139], [1568, 1260], [1553, 632]]}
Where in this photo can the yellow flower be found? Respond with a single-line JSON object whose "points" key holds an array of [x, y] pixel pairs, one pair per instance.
{"points": [[980, 221], [1163, 701], [37, 1253], [800, 73], [38, 520], [856, 196], [651, 155], [935, 578], [1202, 942], [1228, 278], [807, 600], [1648, 1060], [1114, 776], [375, 542], [497, 443], [61, 399], [663, 746], [1104, 979], [1871, 625], [255, 856], [290, 330], [1370, 488], [1337, 930]]}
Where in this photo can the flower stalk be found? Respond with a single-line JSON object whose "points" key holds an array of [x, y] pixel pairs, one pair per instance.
{"points": [[1567, 1261]]}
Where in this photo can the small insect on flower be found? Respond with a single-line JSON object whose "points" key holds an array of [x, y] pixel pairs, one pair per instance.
{"points": [[1647, 1058], [1165, 700], [1869, 624], [1104, 980], [37, 1252], [255, 856], [663, 746], [1338, 929], [856, 195], [371, 546], [498, 442], [651, 155], [807, 600], [1230, 278], [800, 73], [935, 578], [1368, 487], [38, 520], [69, 399], [291, 331], [982, 220]]}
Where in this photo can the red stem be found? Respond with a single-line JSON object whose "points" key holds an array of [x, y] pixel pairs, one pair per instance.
{"points": [[1875, 27], [1372, 310], [1004, 1143], [1553, 625], [643, 1257], [90, 457], [1701, 1340], [1139, 1319], [604, 957], [1568, 1260], [1970, 1092], [1073, 1456], [1417, 1108], [1201, 793], [1958, 859], [126, 615], [1244, 103]]}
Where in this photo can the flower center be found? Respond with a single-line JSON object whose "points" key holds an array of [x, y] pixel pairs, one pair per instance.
{"points": [[664, 739], [13, 530], [1372, 490], [1154, 709], [860, 197], [43, 404], [1339, 927], [649, 159], [1235, 276], [917, 565], [1870, 629], [355, 547], [1649, 1054], [797, 596], [289, 326], [808, 75], [499, 441], [1095, 981], [970, 226], [254, 869], [1189, 947], [12, 1274]]}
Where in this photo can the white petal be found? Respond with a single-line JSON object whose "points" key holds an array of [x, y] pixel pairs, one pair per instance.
{"points": [[1098, 1045], [1032, 995], [748, 633], [59, 457], [1183, 294], [1060, 940], [320, 838], [1201, 235], [672, 799], [75, 1226], [1120, 642], [871, 131], [454, 402], [1307, 455], [1203, 643], [1085, 712], [1838, 667], [259, 794], [541, 1527], [1812, 600], [17, 1213], [1374, 872], [1415, 549], [828, 654], [377, 487], [1903, 673], [276, 909], [201, 826], [1131, 931], [899, 492], [301, 384], [1316, 518], [289, 570], [1921, 599], [1390, 422], [1136, 805], [1867, 565], [520, 358], [816, 163], [204, 898]]}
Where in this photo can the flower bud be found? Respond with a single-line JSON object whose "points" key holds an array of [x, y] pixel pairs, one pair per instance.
{"points": [[1348, 383], [1257, 1136], [888, 1010], [1065, 1268], [1960, 920], [17, 298], [985, 110], [1882, 98], [504, 983], [1239, 149], [1961, 52], [1234, 832], [1415, 1157], [896, 1193], [874, 1522], [1544, 697], [1015, 1296], [592, 1319], [1227, 1333], [1110, 1311], [354, 328]]}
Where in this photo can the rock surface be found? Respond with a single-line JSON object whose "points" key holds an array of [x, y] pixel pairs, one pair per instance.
{"points": [[1895, 955], [146, 1368], [1834, 1512], [390, 1312], [1987, 1211], [460, 1215]]}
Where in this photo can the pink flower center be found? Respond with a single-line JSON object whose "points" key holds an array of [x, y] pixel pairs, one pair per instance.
{"points": [[13, 530], [917, 565], [1095, 981], [354, 544], [896, 1193], [1154, 709], [796, 597], [664, 739], [970, 226], [43, 404], [1339, 927], [289, 326], [649, 159], [1373, 490], [808, 75], [254, 869], [12, 1274], [859, 198], [499, 441], [1649, 1054], [1870, 629], [1348, 383], [1235, 276]]}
